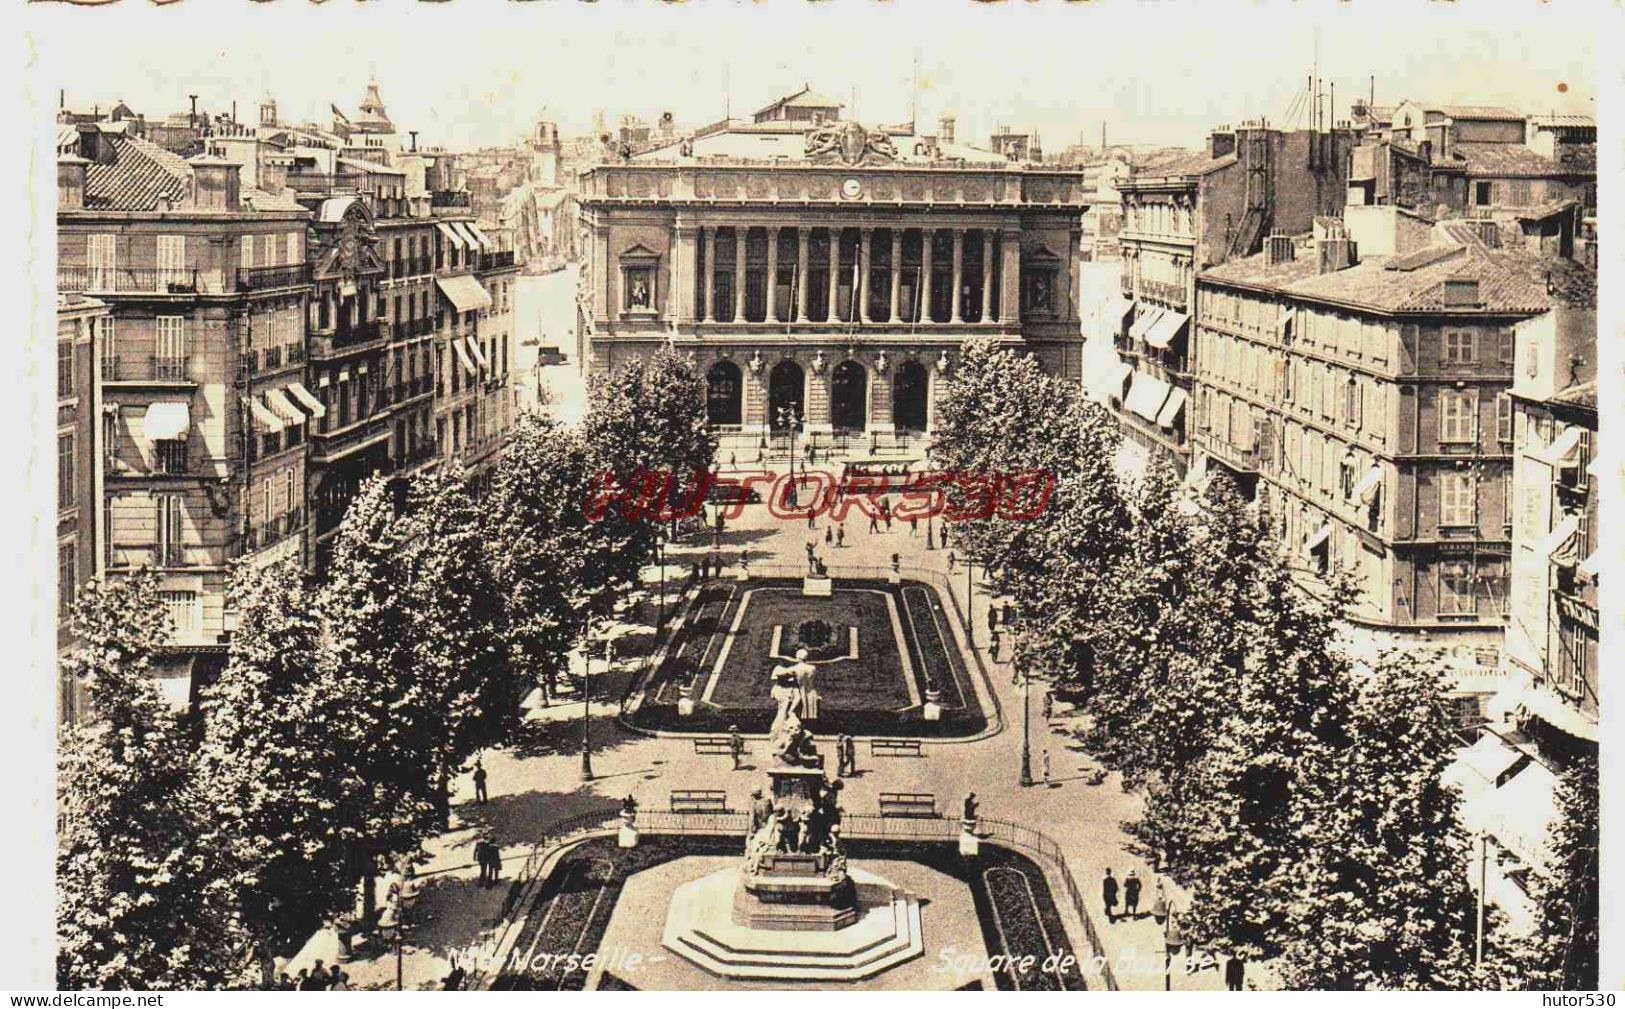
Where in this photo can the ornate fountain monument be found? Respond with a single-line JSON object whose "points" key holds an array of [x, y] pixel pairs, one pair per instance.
{"points": [[794, 910]]}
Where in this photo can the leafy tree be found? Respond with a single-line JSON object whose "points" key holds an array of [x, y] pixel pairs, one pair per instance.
{"points": [[1566, 888], [555, 567], [393, 710], [1383, 898], [144, 884], [1229, 827], [456, 624], [646, 418], [274, 766]]}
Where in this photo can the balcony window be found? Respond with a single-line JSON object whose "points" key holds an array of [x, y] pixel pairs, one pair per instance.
{"points": [[170, 542], [64, 472], [169, 360], [182, 609], [1457, 496], [1456, 596], [64, 369], [1460, 346], [1458, 412], [169, 456]]}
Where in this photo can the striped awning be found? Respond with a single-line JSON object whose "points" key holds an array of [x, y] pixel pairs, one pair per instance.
{"points": [[1162, 332], [465, 293], [1562, 447], [480, 237], [1146, 396], [283, 407], [1367, 486], [308, 401], [478, 352], [1318, 537], [453, 236], [268, 421], [1559, 537], [462, 355], [1169, 414], [167, 422], [1143, 323]]}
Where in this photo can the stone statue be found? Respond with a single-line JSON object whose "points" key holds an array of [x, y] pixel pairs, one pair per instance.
{"points": [[761, 810]]}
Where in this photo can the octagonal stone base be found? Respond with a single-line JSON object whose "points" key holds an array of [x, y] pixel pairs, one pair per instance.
{"points": [[700, 927]]}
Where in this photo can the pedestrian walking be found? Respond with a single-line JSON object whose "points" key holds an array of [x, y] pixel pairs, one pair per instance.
{"points": [[849, 753], [942, 537], [736, 744], [840, 535], [316, 980], [887, 513], [1131, 895], [913, 525], [481, 860], [812, 518], [1046, 782], [493, 855], [1159, 902], [337, 980], [1108, 895], [1049, 705], [480, 794], [874, 522], [829, 536], [951, 559], [1235, 973]]}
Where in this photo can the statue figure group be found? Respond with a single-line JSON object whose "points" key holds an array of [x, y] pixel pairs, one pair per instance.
{"points": [[797, 702], [778, 830]]}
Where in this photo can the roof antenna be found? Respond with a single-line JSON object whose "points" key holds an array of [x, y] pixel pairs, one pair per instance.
{"points": [[914, 97], [727, 94]]}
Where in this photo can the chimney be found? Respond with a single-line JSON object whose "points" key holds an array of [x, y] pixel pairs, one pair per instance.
{"points": [[1279, 249], [70, 182], [1221, 141], [1337, 253], [217, 183], [945, 129], [94, 146], [414, 135]]}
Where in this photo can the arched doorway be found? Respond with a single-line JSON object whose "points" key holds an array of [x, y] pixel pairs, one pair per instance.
{"points": [[724, 395], [849, 397], [786, 394], [909, 392]]}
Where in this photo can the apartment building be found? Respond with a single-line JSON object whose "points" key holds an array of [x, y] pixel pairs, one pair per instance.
{"points": [[1185, 214], [81, 323], [206, 290], [1365, 402]]}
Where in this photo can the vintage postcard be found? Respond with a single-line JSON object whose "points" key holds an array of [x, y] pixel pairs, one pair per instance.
{"points": [[814, 496]]}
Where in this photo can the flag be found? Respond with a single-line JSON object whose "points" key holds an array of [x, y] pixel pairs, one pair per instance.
{"points": [[337, 113]]}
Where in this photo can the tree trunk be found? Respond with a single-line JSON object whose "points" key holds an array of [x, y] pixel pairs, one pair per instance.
{"points": [[442, 799]]}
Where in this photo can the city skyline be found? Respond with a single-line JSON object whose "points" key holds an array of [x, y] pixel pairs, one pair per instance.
{"points": [[725, 69]]}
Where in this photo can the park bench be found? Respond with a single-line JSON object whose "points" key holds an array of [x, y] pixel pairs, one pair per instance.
{"points": [[717, 745], [895, 748], [918, 805], [699, 800]]}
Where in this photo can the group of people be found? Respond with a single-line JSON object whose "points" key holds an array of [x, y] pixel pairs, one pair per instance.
{"points": [[489, 858], [316, 978], [1167, 913]]}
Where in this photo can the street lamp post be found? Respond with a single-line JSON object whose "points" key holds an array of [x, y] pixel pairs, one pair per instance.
{"points": [[586, 701], [1026, 730], [660, 556]]}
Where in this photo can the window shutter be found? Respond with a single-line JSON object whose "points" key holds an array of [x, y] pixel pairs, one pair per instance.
{"points": [[1503, 417], [1507, 347]]}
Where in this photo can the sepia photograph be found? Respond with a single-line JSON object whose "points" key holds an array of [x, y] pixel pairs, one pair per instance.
{"points": [[813, 496]]}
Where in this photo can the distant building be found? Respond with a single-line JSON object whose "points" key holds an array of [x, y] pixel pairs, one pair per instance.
{"points": [[1189, 212]]}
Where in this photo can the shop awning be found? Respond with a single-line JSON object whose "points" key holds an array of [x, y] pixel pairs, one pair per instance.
{"points": [[167, 422], [462, 355], [1285, 320], [479, 354], [263, 416], [1146, 396], [1143, 323], [1119, 374], [464, 292], [1319, 536], [1477, 768], [453, 236], [1560, 536], [308, 401], [481, 237], [1561, 447], [1521, 812], [1162, 332], [1170, 410], [1592, 564], [283, 407], [467, 230], [1368, 485]]}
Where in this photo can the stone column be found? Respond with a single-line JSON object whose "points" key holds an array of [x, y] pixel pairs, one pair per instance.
{"points": [[709, 307], [987, 275], [802, 236], [959, 275], [865, 252], [896, 272], [771, 312], [928, 238], [834, 273], [1010, 282], [739, 272], [680, 295]]}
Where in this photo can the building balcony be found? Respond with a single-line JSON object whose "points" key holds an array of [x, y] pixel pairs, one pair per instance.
{"points": [[442, 198], [496, 261], [153, 369], [275, 531], [1239, 459], [425, 452], [261, 278], [1168, 294], [123, 280], [339, 443], [348, 339]]}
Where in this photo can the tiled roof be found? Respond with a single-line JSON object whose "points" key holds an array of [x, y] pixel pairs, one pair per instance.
{"points": [[260, 200], [1583, 122], [1508, 282], [1584, 394], [139, 175], [1183, 164], [1507, 160], [1578, 158], [1496, 112]]}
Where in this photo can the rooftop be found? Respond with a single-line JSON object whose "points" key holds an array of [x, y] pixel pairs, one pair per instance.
{"points": [[1495, 112], [1510, 282], [139, 176], [1511, 160], [786, 141], [1185, 163], [1564, 122]]}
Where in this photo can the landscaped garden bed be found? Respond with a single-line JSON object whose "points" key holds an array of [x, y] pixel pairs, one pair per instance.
{"points": [[858, 640], [1017, 914]]}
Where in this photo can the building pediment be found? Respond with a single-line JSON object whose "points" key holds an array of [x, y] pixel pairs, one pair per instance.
{"points": [[849, 143]]}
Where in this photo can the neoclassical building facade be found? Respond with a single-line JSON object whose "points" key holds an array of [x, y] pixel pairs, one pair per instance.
{"points": [[825, 275]]}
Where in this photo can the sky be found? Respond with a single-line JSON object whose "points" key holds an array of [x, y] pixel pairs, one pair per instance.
{"points": [[468, 73]]}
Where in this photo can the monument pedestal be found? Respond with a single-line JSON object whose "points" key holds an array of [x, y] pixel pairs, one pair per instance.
{"points": [[820, 587], [969, 844], [933, 706], [685, 706]]}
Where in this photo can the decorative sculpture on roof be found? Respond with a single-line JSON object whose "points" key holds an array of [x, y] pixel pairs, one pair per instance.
{"points": [[849, 143]]}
